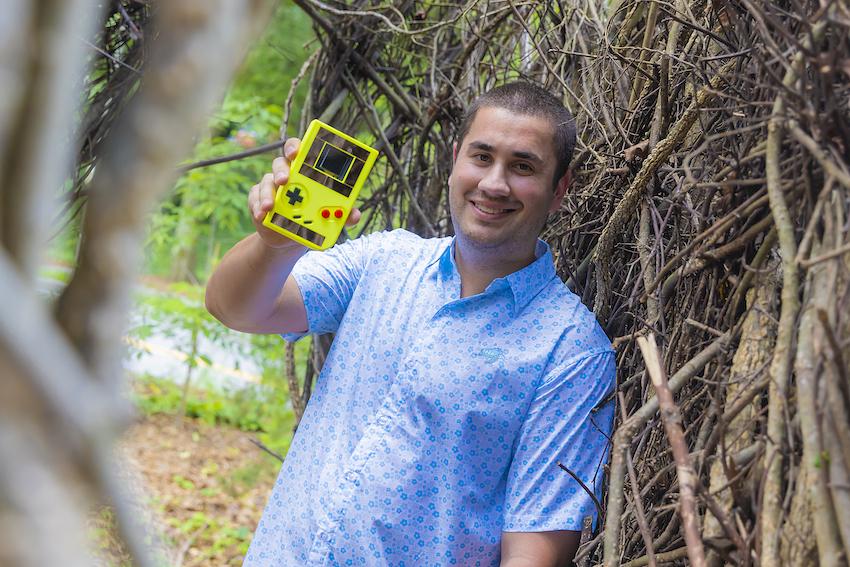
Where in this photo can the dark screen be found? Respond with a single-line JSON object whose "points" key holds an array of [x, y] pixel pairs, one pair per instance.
{"points": [[334, 162]]}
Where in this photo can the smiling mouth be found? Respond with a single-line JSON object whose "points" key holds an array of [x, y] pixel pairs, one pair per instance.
{"points": [[490, 210]]}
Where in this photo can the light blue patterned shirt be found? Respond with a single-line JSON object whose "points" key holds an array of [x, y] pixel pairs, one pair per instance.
{"points": [[437, 422]]}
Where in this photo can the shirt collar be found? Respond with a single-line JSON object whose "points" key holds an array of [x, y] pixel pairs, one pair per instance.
{"points": [[528, 282], [524, 284]]}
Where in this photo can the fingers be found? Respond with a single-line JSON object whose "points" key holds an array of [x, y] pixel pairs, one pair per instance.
{"points": [[291, 147], [253, 201], [266, 193], [353, 217], [280, 170], [261, 197], [280, 165]]}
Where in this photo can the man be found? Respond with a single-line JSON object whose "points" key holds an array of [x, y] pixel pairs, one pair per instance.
{"points": [[462, 373]]}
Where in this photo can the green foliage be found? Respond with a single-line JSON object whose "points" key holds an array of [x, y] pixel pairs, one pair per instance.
{"points": [[208, 205], [103, 538], [183, 482], [222, 533], [255, 408], [55, 273], [822, 459], [108, 546], [179, 313], [246, 476], [207, 211], [276, 59], [62, 247]]}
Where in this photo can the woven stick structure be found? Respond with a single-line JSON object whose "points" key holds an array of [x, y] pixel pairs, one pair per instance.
{"points": [[710, 209]]}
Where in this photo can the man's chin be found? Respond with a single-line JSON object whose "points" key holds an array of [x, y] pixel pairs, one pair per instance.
{"points": [[479, 241]]}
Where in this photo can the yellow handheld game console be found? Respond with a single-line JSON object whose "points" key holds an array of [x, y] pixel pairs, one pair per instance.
{"points": [[324, 180]]}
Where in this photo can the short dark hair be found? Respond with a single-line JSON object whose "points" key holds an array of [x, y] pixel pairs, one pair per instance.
{"points": [[529, 99]]}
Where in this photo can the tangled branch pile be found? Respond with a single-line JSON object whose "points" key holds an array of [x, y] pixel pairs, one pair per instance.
{"points": [[709, 214]]}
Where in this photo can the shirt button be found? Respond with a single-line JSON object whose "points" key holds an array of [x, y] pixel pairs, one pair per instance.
{"points": [[351, 476], [384, 420]]}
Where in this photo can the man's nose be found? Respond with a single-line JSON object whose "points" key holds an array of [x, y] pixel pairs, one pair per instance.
{"points": [[495, 182]]}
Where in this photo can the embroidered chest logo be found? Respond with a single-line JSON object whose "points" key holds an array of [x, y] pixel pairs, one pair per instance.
{"points": [[492, 355]]}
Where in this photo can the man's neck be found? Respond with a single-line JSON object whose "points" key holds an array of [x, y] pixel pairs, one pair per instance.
{"points": [[478, 268]]}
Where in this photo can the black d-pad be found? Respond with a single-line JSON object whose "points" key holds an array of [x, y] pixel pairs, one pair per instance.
{"points": [[294, 196]]}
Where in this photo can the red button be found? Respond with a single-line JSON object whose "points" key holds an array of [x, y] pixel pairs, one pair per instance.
{"points": [[326, 214], [338, 213]]}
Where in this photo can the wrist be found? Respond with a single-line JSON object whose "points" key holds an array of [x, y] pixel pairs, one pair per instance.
{"points": [[279, 246]]}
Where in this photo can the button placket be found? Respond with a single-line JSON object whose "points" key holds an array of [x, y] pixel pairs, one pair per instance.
{"points": [[375, 435], [407, 381], [351, 477], [320, 548]]}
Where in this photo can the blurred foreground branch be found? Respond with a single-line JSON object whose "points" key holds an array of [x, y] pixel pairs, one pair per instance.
{"points": [[59, 399]]}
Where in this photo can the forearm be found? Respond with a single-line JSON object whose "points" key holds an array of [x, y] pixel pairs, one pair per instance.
{"points": [[519, 562], [529, 561], [247, 291], [539, 549]]}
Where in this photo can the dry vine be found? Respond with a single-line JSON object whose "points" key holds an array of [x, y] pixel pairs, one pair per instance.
{"points": [[710, 209]]}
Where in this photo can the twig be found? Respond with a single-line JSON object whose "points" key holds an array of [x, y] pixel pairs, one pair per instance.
{"points": [[752, 204], [265, 148], [780, 367], [672, 418], [640, 515], [625, 208], [703, 327], [600, 512], [623, 439], [259, 444], [666, 557], [729, 529], [828, 165], [841, 250]]}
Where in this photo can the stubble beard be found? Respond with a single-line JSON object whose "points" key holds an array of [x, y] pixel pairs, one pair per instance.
{"points": [[507, 244]]}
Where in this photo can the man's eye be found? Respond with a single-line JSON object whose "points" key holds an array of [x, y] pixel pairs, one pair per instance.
{"points": [[524, 168], [482, 157]]}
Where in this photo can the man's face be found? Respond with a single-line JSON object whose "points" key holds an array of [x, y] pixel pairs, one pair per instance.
{"points": [[500, 189]]}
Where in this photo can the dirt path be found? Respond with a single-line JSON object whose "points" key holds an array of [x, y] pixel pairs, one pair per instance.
{"points": [[206, 485]]}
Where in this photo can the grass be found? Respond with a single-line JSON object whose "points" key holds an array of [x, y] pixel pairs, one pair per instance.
{"points": [[259, 409]]}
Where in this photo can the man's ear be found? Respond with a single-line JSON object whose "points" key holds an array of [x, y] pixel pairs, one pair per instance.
{"points": [[561, 190], [454, 152]]}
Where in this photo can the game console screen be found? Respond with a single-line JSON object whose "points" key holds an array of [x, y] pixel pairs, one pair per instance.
{"points": [[334, 162]]}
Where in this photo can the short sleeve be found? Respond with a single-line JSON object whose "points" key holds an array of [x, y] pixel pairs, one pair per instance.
{"points": [[563, 425], [327, 281]]}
